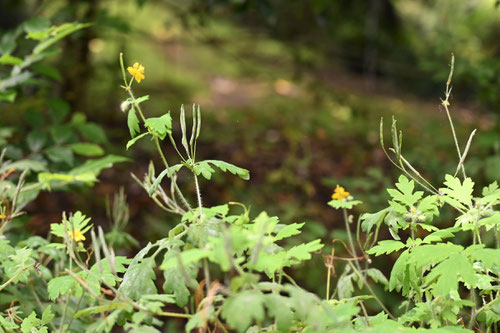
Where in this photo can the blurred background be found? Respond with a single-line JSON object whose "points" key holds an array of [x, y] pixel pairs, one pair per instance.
{"points": [[292, 90]]}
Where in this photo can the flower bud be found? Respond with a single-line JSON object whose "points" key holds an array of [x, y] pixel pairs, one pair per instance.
{"points": [[125, 106]]}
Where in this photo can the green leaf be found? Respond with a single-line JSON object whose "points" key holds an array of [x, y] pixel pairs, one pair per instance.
{"points": [[57, 34], [345, 286], [196, 321], [424, 255], [489, 317], [187, 257], [36, 140], [139, 279], [489, 257], [386, 246], [7, 59], [101, 271], [34, 165], [490, 221], [92, 132], [377, 276], [405, 194], [462, 192], [47, 70], [242, 309], [396, 279], [288, 231], [303, 251], [347, 204], [173, 169], [439, 235], [141, 99], [279, 308], [133, 123], [60, 154], [490, 189], [59, 109], [95, 166], [370, 220], [132, 142], [9, 325], [63, 134], [8, 96], [224, 166], [175, 280], [160, 126], [204, 169], [37, 28], [60, 285], [270, 263], [47, 315], [87, 149], [444, 277], [30, 323]]}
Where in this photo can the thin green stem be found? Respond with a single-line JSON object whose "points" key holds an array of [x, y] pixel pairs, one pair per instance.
{"points": [[68, 298], [24, 269], [175, 314], [40, 304], [289, 279], [358, 273], [76, 310], [454, 137], [350, 239], [198, 193], [328, 278]]}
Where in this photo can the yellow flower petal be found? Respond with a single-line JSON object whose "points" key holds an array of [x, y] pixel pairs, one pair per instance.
{"points": [[77, 235], [137, 71], [340, 193]]}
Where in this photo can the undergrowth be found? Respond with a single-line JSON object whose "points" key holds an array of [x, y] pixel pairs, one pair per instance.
{"points": [[225, 268]]}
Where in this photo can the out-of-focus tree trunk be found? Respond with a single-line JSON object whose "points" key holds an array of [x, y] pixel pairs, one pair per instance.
{"points": [[371, 33], [77, 62]]}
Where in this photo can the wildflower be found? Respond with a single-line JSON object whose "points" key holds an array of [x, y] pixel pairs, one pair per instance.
{"points": [[77, 235], [340, 193], [137, 71], [2, 216]]}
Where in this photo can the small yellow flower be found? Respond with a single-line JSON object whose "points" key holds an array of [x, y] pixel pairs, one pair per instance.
{"points": [[340, 193], [77, 235], [2, 216], [137, 71]]}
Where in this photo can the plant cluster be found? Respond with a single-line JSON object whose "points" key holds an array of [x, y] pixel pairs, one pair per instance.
{"points": [[223, 269]]}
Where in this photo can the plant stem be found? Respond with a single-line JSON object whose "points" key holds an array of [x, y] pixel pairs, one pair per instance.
{"points": [[198, 193], [76, 310], [24, 269], [454, 136], [328, 277], [445, 104], [350, 239], [68, 297], [175, 314], [371, 290]]}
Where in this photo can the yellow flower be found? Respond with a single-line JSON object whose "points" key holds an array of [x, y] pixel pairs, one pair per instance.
{"points": [[137, 71], [340, 193], [77, 235]]}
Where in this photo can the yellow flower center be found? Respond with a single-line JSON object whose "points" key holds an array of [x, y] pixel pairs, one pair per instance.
{"points": [[340, 193], [77, 235], [137, 71]]}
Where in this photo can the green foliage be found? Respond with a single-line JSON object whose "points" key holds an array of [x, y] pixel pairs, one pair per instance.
{"points": [[221, 268]]}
